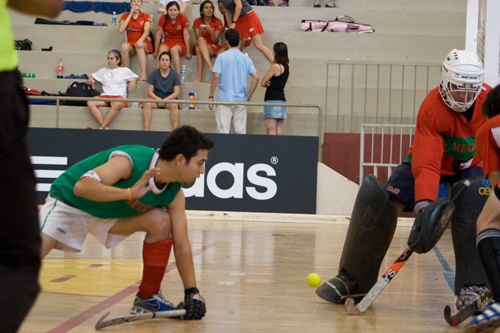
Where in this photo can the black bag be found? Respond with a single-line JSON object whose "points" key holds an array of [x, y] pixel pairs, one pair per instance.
{"points": [[79, 89], [24, 45]]}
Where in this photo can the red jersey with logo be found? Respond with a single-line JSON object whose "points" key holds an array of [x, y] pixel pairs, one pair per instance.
{"points": [[216, 25], [488, 145], [173, 31], [444, 143], [135, 27]]}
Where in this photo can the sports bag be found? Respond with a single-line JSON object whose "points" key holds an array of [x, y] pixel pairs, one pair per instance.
{"points": [[23, 45], [342, 23], [79, 89]]}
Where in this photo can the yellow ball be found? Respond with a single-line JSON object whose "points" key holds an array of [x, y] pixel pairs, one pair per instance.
{"points": [[313, 279]]}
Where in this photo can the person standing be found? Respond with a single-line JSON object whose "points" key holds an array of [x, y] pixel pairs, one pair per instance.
{"points": [[230, 75], [137, 25], [245, 20], [127, 189], [19, 234], [163, 84], [275, 81]]}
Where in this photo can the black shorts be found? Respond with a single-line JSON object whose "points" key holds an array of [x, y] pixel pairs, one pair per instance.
{"points": [[401, 183]]}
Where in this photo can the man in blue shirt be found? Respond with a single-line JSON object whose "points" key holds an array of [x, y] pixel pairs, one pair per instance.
{"points": [[230, 75]]}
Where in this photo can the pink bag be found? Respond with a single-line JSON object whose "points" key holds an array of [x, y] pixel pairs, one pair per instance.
{"points": [[342, 23]]}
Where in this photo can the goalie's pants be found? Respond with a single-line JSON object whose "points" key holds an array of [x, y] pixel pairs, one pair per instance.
{"points": [[19, 234], [401, 184]]}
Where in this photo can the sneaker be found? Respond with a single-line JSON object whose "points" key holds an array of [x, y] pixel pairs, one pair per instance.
{"points": [[331, 4], [156, 303], [338, 289], [283, 3], [317, 3], [270, 3], [487, 321], [468, 295]]}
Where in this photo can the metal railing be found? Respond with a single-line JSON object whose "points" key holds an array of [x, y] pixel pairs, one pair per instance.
{"points": [[398, 138], [321, 129], [386, 93]]}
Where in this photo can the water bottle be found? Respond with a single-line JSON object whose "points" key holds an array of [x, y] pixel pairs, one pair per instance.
{"points": [[192, 96], [151, 17], [183, 73], [30, 75], [113, 19], [60, 69]]}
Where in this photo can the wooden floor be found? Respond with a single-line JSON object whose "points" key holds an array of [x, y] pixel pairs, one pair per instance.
{"points": [[253, 277]]}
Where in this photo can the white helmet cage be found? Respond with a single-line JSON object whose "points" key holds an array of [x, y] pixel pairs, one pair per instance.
{"points": [[462, 77]]}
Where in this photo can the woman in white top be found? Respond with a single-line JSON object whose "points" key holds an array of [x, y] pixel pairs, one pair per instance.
{"points": [[114, 81]]}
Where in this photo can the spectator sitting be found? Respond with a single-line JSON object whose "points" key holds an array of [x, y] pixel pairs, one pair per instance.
{"points": [[182, 6], [231, 72], [163, 84], [137, 26], [173, 27], [207, 30], [114, 82]]}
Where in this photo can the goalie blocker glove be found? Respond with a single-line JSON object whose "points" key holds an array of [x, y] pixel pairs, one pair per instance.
{"points": [[194, 304]]}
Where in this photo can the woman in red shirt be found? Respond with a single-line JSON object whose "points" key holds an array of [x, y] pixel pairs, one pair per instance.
{"points": [[137, 25], [173, 34], [207, 29]]}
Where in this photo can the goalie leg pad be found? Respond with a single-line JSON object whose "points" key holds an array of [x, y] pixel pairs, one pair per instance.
{"points": [[372, 227], [469, 270]]}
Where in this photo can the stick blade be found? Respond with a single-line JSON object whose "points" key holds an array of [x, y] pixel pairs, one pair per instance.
{"points": [[100, 322], [448, 317], [351, 308]]}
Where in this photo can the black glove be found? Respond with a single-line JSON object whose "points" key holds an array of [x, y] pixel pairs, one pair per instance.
{"points": [[194, 304]]}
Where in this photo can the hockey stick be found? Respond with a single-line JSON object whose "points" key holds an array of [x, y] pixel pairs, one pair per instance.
{"points": [[468, 311], [389, 274], [378, 287], [135, 317]]}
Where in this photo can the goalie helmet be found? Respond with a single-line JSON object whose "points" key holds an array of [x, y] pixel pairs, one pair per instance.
{"points": [[462, 77]]}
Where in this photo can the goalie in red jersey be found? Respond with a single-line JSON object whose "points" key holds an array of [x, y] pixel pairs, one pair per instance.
{"points": [[443, 151]]}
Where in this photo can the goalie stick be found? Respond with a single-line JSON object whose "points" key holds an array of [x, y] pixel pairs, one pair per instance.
{"points": [[468, 311], [135, 317], [365, 303], [378, 287]]}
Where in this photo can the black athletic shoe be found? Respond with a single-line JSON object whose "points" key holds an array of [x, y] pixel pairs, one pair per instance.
{"points": [[338, 289]]}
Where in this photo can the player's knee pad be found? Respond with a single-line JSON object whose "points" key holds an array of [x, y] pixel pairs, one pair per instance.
{"points": [[372, 227], [488, 246], [469, 270]]}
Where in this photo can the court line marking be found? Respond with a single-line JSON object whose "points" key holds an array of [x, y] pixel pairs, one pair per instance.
{"points": [[112, 300]]}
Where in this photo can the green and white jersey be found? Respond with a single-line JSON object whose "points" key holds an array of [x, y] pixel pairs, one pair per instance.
{"points": [[143, 158]]}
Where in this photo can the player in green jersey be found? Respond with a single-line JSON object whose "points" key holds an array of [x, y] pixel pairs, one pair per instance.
{"points": [[133, 188]]}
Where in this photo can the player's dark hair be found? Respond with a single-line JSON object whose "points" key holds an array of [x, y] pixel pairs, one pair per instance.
{"points": [[281, 51], [491, 105], [185, 140], [202, 7], [232, 37]]}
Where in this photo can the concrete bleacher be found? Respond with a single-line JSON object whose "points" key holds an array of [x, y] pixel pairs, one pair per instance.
{"points": [[406, 31]]}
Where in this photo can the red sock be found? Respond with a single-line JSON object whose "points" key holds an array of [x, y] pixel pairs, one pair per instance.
{"points": [[155, 260]]}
